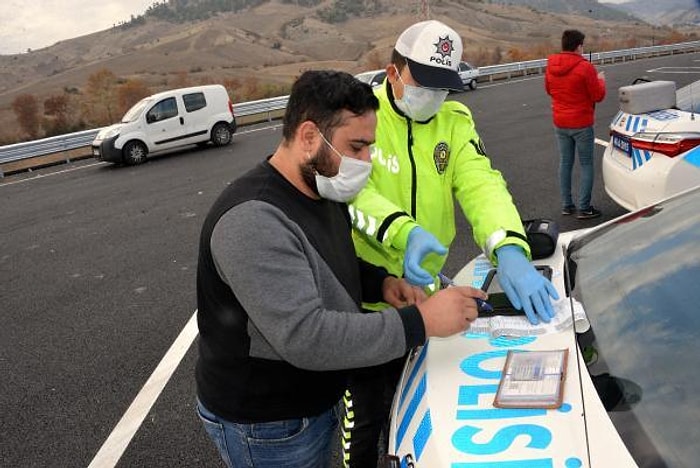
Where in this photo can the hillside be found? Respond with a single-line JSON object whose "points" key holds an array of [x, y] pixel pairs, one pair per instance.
{"points": [[668, 12], [272, 42]]}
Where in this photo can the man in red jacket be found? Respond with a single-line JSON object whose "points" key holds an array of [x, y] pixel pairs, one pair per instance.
{"points": [[575, 87]]}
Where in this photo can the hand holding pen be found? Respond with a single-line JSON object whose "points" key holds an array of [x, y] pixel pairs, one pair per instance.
{"points": [[450, 310], [482, 305]]}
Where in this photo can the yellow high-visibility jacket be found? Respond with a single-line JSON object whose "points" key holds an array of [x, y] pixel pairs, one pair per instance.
{"points": [[418, 169]]}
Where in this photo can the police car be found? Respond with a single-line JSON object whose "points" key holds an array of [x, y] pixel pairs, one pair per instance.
{"points": [[654, 148], [629, 320]]}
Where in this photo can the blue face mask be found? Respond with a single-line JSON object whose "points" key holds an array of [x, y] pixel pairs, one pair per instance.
{"points": [[419, 103]]}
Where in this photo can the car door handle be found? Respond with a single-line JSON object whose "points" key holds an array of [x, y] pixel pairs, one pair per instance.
{"points": [[182, 121]]}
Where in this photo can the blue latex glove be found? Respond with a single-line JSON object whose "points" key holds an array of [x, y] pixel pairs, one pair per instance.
{"points": [[525, 287], [420, 243]]}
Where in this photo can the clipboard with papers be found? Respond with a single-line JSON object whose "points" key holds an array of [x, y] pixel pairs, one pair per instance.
{"points": [[532, 379]]}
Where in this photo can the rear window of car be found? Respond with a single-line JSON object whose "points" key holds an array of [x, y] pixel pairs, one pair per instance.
{"points": [[194, 101]]}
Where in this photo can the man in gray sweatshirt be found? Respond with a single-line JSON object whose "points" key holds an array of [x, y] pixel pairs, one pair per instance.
{"points": [[279, 287]]}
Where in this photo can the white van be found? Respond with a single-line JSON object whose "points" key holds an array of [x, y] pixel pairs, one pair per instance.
{"points": [[168, 120]]}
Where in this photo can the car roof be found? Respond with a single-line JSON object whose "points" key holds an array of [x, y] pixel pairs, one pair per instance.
{"points": [[366, 76]]}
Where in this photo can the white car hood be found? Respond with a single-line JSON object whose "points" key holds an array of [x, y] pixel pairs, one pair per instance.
{"points": [[443, 413]]}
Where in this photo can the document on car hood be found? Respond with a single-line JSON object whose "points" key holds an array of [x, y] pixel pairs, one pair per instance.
{"points": [[564, 316]]}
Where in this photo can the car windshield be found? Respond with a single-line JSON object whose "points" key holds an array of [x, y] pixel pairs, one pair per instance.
{"points": [[688, 97], [639, 282], [136, 110]]}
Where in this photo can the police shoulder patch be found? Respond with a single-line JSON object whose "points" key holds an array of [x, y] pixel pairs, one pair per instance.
{"points": [[441, 156]]}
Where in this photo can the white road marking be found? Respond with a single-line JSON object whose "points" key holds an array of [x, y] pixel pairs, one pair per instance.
{"points": [[41, 176], [602, 142], [117, 442], [675, 70]]}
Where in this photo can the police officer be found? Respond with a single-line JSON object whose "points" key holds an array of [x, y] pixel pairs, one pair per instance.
{"points": [[427, 152]]}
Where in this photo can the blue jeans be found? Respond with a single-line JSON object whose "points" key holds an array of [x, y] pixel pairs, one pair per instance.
{"points": [[291, 443], [570, 142]]}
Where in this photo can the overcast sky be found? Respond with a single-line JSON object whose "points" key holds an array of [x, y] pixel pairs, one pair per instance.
{"points": [[34, 24], [27, 24]]}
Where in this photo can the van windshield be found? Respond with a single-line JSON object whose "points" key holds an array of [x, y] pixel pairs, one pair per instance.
{"points": [[136, 110]]}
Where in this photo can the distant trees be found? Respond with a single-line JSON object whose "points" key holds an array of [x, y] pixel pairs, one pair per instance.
{"points": [[26, 108], [181, 80], [304, 3], [99, 103], [251, 89], [129, 93], [59, 115], [106, 97], [342, 10], [56, 115], [180, 11]]}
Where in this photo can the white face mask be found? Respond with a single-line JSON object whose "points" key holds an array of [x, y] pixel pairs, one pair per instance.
{"points": [[352, 176], [419, 103]]}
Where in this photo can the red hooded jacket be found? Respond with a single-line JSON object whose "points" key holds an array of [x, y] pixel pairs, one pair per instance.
{"points": [[574, 86]]}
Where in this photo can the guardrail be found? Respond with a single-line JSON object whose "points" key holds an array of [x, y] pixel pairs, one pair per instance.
{"points": [[267, 109], [263, 109], [509, 70]]}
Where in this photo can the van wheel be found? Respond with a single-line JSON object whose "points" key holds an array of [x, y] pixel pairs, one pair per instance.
{"points": [[134, 153], [221, 134], [472, 84]]}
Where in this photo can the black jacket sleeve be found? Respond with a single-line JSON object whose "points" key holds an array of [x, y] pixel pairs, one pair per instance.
{"points": [[372, 277]]}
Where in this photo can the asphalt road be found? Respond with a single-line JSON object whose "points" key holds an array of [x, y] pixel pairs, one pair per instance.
{"points": [[97, 278]]}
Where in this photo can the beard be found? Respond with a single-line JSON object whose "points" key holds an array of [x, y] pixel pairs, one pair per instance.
{"points": [[320, 163]]}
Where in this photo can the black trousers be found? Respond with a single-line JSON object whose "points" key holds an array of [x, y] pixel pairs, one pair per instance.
{"points": [[367, 404]]}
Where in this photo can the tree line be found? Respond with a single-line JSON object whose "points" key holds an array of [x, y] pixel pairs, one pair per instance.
{"points": [[181, 11], [106, 98]]}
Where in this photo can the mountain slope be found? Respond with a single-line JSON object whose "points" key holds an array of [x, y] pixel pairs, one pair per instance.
{"points": [[275, 40], [589, 8], [668, 12]]}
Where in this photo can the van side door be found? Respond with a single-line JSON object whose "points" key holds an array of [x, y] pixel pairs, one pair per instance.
{"points": [[197, 116], [165, 125]]}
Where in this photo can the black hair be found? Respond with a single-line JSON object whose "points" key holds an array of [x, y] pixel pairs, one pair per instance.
{"points": [[321, 95], [571, 39]]}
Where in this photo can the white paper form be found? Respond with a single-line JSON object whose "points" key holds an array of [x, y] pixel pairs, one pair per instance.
{"points": [[501, 325]]}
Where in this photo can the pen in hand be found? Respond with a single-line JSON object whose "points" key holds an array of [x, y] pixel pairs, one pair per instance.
{"points": [[482, 305]]}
